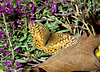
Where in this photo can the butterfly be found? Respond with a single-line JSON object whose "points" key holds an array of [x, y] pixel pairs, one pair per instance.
{"points": [[48, 41]]}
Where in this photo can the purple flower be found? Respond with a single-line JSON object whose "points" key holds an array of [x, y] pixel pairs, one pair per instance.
{"points": [[4, 12], [96, 10], [2, 50], [3, 56], [52, 10], [55, 6], [7, 53], [14, 70], [19, 22], [12, 10], [18, 11], [20, 70], [31, 5], [7, 70], [5, 3], [12, 60], [5, 62], [24, 7], [2, 8], [8, 64], [5, 44], [96, 3], [10, 1], [0, 13], [9, 11], [17, 50], [18, 28], [10, 6], [24, 15], [13, 26], [32, 9], [18, 64], [2, 36], [0, 30], [17, 2], [32, 21]]}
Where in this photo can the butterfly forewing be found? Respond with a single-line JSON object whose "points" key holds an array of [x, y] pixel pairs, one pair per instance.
{"points": [[40, 35]]}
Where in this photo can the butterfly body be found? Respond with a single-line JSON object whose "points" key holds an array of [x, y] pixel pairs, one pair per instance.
{"points": [[49, 42]]}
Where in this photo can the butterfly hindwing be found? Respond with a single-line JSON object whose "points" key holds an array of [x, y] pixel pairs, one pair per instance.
{"points": [[59, 41]]}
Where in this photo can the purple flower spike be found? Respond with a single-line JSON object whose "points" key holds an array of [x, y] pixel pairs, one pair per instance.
{"points": [[20, 70], [7, 53], [18, 64], [14, 70], [7, 70], [5, 44], [24, 7]]}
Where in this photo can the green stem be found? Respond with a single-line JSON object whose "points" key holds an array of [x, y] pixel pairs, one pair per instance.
{"points": [[8, 35], [26, 23]]}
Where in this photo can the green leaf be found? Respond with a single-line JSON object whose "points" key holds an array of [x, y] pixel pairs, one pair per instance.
{"points": [[20, 61], [52, 17], [33, 48], [61, 31], [23, 38], [26, 45], [1, 45], [17, 46]]}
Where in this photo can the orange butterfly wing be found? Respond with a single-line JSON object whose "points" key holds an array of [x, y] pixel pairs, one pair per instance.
{"points": [[40, 35], [59, 41], [48, 41]]}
